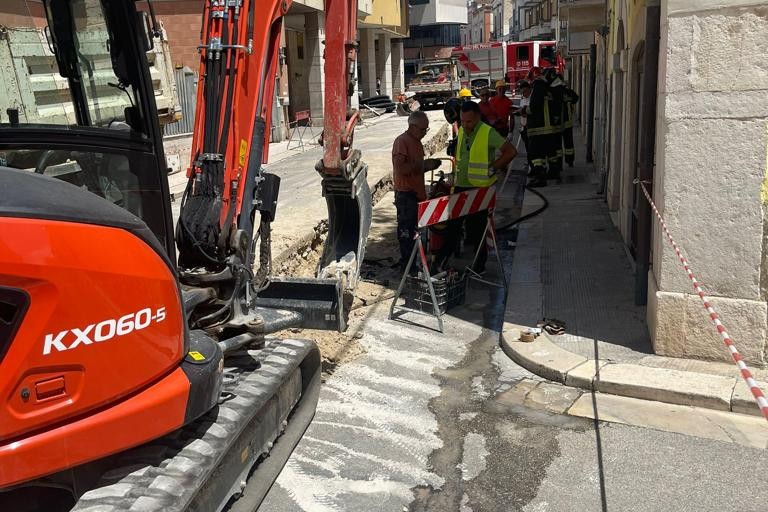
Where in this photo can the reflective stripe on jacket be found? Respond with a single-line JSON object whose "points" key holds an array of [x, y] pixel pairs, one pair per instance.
{"points": [[478, 173]]}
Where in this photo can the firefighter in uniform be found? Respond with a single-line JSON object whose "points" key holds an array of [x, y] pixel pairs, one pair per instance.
{"points": [[570, 99], [539, 130], [555, 145]]}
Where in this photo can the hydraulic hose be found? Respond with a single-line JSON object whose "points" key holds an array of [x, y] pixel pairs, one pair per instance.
{"points": [[527, 215]]}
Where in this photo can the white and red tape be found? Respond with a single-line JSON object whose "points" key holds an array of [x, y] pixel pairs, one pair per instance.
{"points": [[762, 403]]}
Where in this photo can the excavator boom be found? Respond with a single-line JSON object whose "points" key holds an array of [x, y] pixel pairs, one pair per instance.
{"points": [[230, 201]]}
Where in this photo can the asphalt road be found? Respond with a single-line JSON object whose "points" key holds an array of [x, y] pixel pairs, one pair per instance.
{"points": [[425, 421]]}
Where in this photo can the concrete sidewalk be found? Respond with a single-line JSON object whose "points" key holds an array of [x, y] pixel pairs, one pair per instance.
{"points": [[570, 263], [301, 219]]}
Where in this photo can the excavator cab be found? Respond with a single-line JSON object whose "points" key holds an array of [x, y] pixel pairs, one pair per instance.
{"points": [[78, 105]]}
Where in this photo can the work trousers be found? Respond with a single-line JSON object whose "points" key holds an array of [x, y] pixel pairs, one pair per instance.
{"points": [[537, 148], [407, 206], [555, 155], [475, 227], [569, 152], [524, 138]]}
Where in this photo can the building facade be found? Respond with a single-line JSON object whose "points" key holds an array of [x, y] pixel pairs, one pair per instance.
{"points": [[435, 28], [479, 23], [710, 177], [501, 11], [534, 20], [674, 97], [382, 24]]}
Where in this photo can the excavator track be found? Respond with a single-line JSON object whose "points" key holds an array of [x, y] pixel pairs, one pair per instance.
{"points": [[237, 449]]}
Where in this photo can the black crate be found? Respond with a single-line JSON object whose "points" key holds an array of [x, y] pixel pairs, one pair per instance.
{"points": [[448, 292]]}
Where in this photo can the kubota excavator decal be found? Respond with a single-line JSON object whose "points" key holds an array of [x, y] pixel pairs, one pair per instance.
{"points": [[104, 330]]}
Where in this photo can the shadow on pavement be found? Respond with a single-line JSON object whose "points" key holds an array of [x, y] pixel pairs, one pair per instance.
{"points": [[598, 437]]}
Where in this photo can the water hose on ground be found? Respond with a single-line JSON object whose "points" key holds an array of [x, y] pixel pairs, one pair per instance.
{"points": [[527, 215]]}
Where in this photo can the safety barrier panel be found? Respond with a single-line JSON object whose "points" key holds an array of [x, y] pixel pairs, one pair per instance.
{"points": [[461, 204]]}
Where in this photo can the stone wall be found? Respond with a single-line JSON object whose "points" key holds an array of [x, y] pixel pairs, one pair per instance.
{"points": [[710, 167]]}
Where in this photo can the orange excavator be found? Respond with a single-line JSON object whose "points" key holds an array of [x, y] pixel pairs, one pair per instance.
{"points": [[137, 370]]}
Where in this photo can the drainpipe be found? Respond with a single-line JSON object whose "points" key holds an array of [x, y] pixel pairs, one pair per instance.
{"points": [[647, 148], [592, 80]]}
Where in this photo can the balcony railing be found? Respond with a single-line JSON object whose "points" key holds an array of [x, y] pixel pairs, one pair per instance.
{"points": [[541, 31]]}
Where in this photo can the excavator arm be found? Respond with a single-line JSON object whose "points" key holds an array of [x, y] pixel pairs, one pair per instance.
{"points": [[230, 200], [344, 184]]}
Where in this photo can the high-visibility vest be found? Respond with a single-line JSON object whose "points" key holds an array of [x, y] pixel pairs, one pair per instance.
{"points": [[478, 173]]}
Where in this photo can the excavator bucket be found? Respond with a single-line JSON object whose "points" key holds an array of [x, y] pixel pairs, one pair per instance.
{"points": [[318, 302], [349, 220]]}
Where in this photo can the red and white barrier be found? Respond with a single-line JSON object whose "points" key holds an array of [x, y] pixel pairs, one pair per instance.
{"points": [[762, 403], [441, 209]]}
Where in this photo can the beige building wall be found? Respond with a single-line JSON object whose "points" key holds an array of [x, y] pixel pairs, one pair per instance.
{"points": [[710, 180]]}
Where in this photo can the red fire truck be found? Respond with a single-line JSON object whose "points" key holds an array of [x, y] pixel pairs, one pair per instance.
{"points": [[481, 65], [525, 55]]}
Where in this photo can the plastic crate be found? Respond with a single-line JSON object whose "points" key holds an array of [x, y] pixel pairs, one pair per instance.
{"points": [[450, 292]]}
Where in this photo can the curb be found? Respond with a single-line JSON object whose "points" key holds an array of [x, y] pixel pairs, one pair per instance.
{"points": [[547, 360]]}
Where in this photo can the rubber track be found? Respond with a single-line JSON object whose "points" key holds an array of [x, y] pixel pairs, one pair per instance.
{"points": [[166, 474]]}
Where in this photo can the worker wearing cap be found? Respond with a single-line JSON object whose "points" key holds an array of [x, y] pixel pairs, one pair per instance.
{"points": [[476, 165], [504, 121], [486, 108], [452, 110]]}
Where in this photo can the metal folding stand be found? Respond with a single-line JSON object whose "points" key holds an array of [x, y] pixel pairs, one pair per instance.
{"points": [[488, 232], [443, 209], [418, 246]]}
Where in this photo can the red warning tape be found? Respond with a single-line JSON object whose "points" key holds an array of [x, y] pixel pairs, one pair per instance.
{"points": [[762, 403]]}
